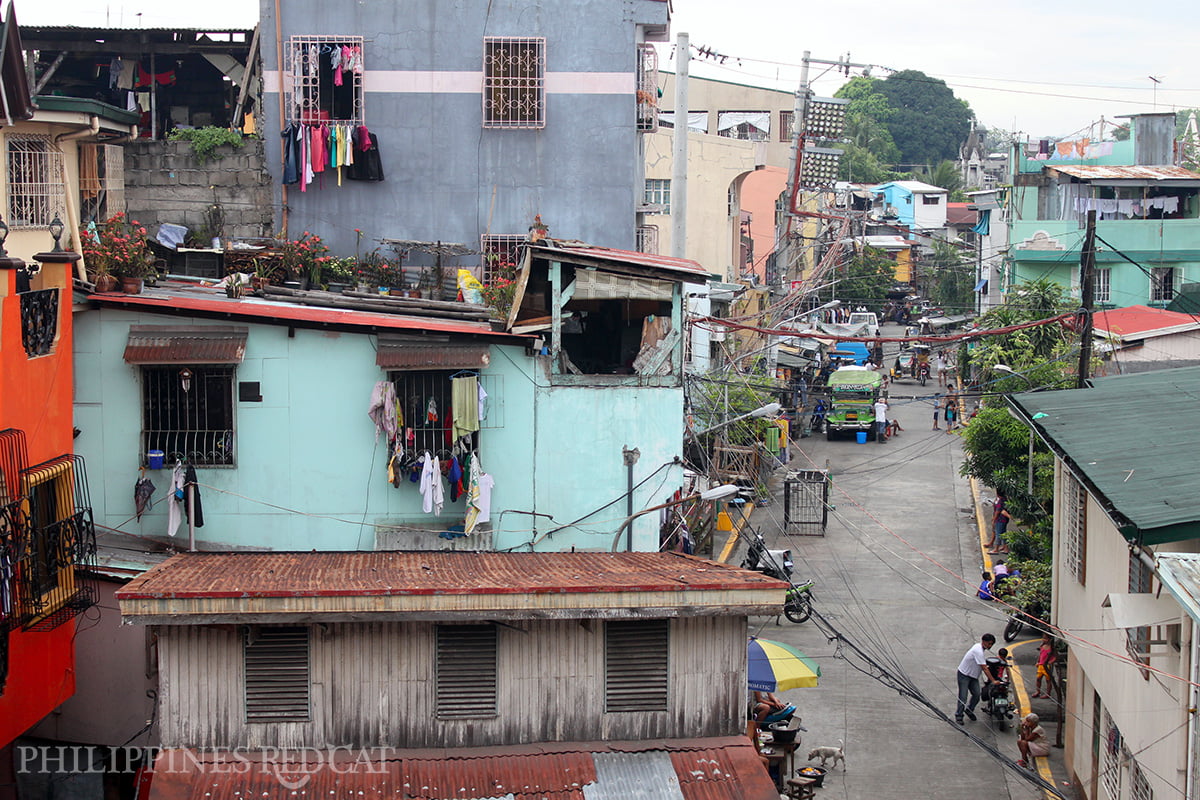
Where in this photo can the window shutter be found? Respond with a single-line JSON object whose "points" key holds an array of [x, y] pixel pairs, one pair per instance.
{"points": [[635, 665], [467, 673], [276, 674]]}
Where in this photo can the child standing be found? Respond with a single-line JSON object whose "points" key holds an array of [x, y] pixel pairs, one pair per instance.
{"points": [[1046, 658]]}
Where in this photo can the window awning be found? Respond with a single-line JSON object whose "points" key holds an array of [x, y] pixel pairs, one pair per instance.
{"points": [[168, 344], [982, 285], [1138, 610], [402, 353]]}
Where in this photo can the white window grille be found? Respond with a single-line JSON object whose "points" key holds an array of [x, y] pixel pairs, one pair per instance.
{"points": [[314, 90], [514, 82], [1102, 288], [101, 181], [1139, 787], [1113, 748], [647, 88], [647, 239], [1074, 526], [501, 256], [786, 121], [36, 192], [1162, 284], [657, 193]]}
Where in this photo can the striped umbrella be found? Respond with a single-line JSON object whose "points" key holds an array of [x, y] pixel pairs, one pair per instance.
{"points": [[774, 666]]}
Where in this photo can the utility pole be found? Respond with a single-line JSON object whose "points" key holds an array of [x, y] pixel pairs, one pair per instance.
{"points": [[1087, 286], [679, 149]]}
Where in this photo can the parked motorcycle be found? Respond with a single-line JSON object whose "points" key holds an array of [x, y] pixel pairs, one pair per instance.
{"points": [[797, 604], [1018, 618]]}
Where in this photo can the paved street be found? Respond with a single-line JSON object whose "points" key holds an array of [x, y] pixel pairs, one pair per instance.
{"points": [[902, 531]]}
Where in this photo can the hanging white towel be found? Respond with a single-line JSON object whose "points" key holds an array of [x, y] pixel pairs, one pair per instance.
{"points": [[431, 485], [175, 500]]}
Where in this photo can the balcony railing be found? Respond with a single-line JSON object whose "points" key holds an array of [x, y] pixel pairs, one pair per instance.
{"points": [[39, 321]]}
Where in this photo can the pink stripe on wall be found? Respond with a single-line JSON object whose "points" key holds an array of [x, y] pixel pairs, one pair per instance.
{"points": [[442, 82]]}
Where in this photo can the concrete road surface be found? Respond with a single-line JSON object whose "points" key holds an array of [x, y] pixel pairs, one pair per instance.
{"points": [[895, 574]]}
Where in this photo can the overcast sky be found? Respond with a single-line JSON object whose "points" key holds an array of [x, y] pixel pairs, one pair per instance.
{"points": [[1045, 69]]}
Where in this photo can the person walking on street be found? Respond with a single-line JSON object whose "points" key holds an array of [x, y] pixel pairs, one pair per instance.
{"points": [[951, 408], [969, 670], [881, 423], [1000, 519], [941, 368], [1031, 740]]}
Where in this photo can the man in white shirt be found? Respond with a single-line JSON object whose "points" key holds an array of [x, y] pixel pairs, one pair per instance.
{"points": [[881, 420], [969, 670]]}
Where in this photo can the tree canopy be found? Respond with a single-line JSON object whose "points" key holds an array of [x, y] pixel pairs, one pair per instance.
{"points": [[924, 122]]}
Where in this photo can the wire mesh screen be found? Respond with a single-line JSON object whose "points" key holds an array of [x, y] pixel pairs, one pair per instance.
{"points": [[323, 79], [189, 416], [514, 87], [35, 181], [806, 502]]}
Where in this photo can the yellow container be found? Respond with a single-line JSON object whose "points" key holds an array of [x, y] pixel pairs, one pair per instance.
{"points": [[724, 523]]}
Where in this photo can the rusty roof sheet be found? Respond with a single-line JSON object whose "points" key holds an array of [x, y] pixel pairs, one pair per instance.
{"points": [[180, 344], [1094, 172], [403, 354], [682, 267], [680, 769], [395, 573]]}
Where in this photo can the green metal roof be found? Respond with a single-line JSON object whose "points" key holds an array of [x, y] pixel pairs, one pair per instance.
{"points": [[85, 105], [1135, 442]]}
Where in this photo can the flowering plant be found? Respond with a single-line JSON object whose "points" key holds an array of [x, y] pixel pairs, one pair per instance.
{"points": [[118, 247], [374, 270], [304, 256], [501, 287]]}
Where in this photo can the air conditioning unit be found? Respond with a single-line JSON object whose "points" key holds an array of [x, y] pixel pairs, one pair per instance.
{"points": [[717, 336]]}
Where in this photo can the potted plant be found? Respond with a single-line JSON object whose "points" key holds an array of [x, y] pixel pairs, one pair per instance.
{"points": [[304, 258], [340, 273], [118, 248], [235, 288], [501, 287]]}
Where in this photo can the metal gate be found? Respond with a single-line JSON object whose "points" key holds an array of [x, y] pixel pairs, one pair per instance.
{"points": [[806, 502]]}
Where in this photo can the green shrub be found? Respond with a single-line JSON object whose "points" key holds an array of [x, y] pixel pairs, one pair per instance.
{"points": [[206, 140]]}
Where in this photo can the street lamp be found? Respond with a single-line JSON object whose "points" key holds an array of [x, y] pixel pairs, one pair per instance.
{"points": [[769, 410], [715, 493], [1007, 370]]}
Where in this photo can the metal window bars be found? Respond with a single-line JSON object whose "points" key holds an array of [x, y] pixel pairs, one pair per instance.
{"points": [[647, 88], [39, 321], [647, 241], [308, 82], [35, 181], [189, 420], [497, 251], [514, 82]]}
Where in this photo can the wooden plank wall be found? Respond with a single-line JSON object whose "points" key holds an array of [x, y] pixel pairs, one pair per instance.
{"points": [[372, 685]]}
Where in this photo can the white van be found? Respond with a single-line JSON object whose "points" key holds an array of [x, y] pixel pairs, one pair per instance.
{"points": [[867, 318]]}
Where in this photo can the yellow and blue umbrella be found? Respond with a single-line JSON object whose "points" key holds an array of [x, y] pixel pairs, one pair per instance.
{"points": [[774, 666]]}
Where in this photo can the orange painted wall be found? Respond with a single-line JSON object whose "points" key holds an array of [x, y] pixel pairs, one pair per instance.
{"points": [[760, 191], [36, 397]]}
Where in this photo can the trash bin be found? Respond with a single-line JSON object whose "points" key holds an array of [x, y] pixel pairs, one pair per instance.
{"points": [[862, 437], [154, 459]]}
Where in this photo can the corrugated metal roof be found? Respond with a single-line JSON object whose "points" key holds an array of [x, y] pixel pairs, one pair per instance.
{"points": [[1180, 575], [1094, 172], [626, 258], [1132, 440], [724, 768], [253, 309], [167, 344], [403, 354], [396, 573], [1126, 322]]}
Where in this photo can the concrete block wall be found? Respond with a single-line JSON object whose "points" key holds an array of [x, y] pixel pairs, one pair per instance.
{"points": [[165, 183]]}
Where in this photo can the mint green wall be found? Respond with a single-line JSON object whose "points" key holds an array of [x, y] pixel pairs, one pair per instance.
{"points": [[309, 448]]}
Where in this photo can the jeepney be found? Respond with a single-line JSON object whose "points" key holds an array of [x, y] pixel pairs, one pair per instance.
{"points": [[852, 394]]}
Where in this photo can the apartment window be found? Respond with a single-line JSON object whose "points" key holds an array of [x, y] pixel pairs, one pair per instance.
{"points": [[514, 88], [1141, 581], [753, 126], [501, 256], [427, 396], [635, 665], [657, 193], [1139, 787], [647, 88], [786, 119], [323, 79], [1102, 285], [647, 239], [1074, 526], [101, 181], [467, 671], [1162, 284], [34, 181], [276, 662], [1114, 750], [697, 121], [187, 412]]}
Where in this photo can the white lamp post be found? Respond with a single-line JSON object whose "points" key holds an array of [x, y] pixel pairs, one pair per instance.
{"points": [[715, 493]]}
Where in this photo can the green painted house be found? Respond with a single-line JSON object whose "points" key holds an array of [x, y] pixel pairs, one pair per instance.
{"points": [[1147, 215]]}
